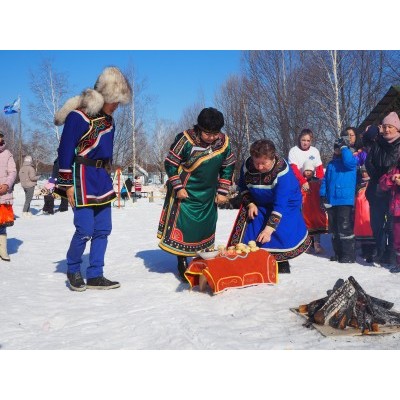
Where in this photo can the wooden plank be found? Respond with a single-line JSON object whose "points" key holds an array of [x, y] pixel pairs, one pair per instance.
{"points": [[327, 331]]}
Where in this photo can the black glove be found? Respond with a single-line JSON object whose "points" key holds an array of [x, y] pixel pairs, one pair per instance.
{"points": [[340, 142], [324, 203], [346, 140]]}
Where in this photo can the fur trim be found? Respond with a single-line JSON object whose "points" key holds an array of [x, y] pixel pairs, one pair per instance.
{"points": [[113, 86], [90, 101], [69, 105]]}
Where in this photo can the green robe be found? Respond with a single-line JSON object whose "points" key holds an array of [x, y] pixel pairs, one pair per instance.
{"points": [[187, 226]]}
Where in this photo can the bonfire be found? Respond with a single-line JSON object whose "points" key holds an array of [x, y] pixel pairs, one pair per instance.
{"points": [[348, 305]]}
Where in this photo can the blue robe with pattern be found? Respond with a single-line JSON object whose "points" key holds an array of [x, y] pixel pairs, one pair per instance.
{"points": [[274, 192]]}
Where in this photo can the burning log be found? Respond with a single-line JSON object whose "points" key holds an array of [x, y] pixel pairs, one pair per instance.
{"points": [[347, 304]]}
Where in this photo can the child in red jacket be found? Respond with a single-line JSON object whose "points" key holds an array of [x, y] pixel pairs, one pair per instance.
{"points": [[315, 217]]}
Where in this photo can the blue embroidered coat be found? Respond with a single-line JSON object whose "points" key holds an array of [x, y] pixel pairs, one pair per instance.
{"points": [[89, 137], [277, 195]]}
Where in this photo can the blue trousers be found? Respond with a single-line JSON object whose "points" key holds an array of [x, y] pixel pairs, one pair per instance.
{"points": [[94, 224]]}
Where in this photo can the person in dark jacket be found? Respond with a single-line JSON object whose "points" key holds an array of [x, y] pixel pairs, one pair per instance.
{"points": [[383, 153], [64, 201], [337, 190]]}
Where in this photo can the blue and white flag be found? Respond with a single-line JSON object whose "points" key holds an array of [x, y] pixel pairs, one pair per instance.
{"points": [[12, 108]]}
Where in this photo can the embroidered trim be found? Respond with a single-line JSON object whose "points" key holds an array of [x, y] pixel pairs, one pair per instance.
{"points": [[273, 220], [300, 249]]}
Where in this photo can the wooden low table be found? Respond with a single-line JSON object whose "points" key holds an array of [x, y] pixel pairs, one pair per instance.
{"points": [[224, 272]]}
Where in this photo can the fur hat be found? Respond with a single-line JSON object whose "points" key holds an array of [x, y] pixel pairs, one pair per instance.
{"points": [[28, 159], [210, 120], [392, 119], [308, 166], [111, 87]]}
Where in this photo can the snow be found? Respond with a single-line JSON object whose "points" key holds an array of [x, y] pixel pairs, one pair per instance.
{"points": [[154, 311]]}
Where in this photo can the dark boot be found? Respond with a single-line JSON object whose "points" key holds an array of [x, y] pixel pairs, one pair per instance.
{"points": [[182, 266], [336, 248], [367, 252], [348, 251], [283, 267]]}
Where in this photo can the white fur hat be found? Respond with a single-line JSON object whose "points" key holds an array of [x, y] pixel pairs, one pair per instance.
{"points": [[308, 166], [28, 159], [111, 87]]}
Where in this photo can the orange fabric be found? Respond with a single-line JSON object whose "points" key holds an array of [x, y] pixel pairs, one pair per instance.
{"points": [[315, 218], [225, 272], [6, 215], [362, 225]]}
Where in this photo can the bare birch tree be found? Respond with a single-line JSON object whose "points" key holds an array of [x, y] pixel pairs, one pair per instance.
{"points": [[126, 132], [163, 136], [278, 101], [38, 148], [232, 100], [50, 88]]}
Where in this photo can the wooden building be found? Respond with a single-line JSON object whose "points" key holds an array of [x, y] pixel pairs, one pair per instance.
{"points": [[389, 102]]}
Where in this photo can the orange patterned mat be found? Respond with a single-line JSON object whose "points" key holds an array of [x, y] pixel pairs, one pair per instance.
{"points": [[224, 272]]}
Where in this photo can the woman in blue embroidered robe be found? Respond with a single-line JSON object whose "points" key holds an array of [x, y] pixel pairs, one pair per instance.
{"points": [[271, 207]]}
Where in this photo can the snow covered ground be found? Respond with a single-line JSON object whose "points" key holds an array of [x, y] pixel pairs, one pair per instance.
{"points": [[154, 311]]}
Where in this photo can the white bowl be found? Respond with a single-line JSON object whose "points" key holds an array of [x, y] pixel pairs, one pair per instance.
{"points": [[207, 255]]}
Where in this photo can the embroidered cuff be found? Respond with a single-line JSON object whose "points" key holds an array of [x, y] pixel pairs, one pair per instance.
{"points": [[246, 198], [223, 187], [176, 182], [273, 220], [65, 177]]}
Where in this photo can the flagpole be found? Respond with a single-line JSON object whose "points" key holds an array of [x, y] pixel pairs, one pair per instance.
{"points": [[20, 134]]}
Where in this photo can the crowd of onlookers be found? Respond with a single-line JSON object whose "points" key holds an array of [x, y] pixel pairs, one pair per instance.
{"points": [[356, 197]]}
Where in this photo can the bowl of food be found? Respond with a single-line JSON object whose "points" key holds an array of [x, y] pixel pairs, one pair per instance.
{"points": [[208, 254]]}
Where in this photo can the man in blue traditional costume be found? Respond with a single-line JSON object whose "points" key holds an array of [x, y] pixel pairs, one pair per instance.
{"points": [[271, 207], [85, 156], [200, 166]]}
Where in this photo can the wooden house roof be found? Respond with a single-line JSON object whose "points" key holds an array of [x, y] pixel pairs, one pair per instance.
{"points": [[389, 102]]}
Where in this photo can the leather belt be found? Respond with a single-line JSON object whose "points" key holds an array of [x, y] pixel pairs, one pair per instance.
{"points": [[92, 163]]}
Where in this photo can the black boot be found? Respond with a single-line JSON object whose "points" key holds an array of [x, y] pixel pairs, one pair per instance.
{"points": [[182, 266], [336, 248], [283, 267], [348, 251]]}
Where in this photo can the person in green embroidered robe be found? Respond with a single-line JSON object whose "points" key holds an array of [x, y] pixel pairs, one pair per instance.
{"points": [[200, 166]]}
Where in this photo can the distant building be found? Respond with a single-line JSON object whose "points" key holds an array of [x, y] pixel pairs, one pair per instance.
{"points": [[390, 102]]}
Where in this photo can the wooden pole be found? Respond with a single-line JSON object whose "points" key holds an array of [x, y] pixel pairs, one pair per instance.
{"points": [[20, 135]]}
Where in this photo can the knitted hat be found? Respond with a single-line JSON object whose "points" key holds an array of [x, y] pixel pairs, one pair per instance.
{"points": [[28, 159], [111, 87], [308, 166], [392, 119], [210, 120]]}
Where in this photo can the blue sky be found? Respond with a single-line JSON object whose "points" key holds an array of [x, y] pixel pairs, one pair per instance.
{"points": [[175, 78]]}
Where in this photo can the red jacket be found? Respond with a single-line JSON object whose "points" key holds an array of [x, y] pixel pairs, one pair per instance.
{"points": [[362, 224], [315, 218]]}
